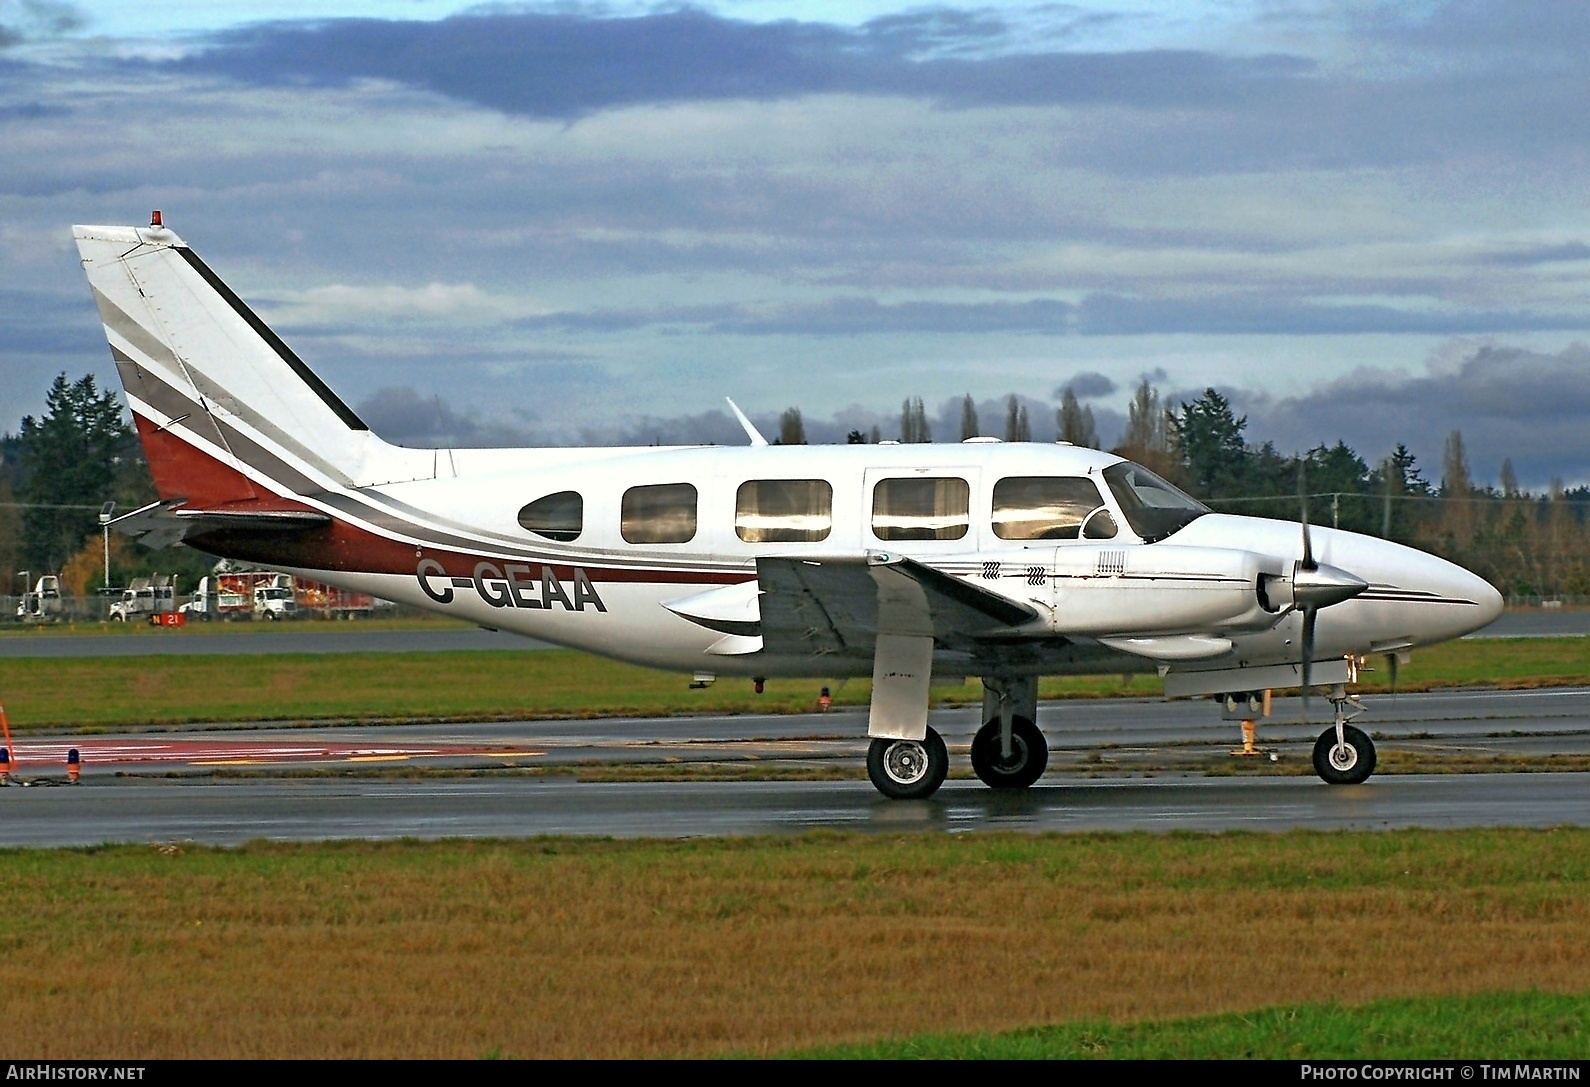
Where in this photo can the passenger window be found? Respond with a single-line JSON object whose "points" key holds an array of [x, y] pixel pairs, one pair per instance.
{"points": [[665, 513], [1050, 508], [921, 509], [784, 510], [558, 516]]}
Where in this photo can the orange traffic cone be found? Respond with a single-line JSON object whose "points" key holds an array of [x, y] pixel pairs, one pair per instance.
{"points": [[74, 766]]}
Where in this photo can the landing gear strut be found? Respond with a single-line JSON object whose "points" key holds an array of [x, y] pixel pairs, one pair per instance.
{"points": [[1009, 752], [908, 769], [1344, 755]]}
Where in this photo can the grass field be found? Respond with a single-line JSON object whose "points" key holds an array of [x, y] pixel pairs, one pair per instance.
{"points": [[590, 948], [1520, 1025], [114, 692]]}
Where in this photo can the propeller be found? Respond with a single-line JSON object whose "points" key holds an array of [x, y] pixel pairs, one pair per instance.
{"points": [[1316, 585]]}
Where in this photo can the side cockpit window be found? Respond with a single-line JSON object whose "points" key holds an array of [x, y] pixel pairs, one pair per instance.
{"points": [[784, 510], [1050, 508], [660, 514], [921, 508], [558, 516]]}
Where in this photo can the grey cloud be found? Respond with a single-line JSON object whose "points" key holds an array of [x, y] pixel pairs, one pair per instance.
{"points": [[1087, 386], [1541, 254], [403, 416], [1098, 315], [41, 20], [1508, 402], [565, 65], [852, 316], [1109, 314], [1523, 28]]}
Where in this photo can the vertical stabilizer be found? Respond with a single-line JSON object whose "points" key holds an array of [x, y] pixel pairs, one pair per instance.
{"points": [[227, 412]]}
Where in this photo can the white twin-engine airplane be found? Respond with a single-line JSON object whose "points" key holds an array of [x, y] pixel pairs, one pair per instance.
{"points": [[902, 562]]}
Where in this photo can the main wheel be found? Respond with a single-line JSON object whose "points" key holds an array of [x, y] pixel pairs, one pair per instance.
{"points": [[1350, 764], [1029, 754], [908, 769]]}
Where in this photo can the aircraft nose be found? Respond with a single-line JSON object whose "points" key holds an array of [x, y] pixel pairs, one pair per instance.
{"points": [[1484, 594]]}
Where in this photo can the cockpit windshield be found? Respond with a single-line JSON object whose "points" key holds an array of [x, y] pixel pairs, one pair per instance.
{"points": [[1153, 508]]}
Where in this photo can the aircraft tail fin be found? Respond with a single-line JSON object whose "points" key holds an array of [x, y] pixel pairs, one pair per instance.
{"points": [[227, 413]]}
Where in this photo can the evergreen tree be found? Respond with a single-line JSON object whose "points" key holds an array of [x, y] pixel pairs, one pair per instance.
{"points": [[73, 456], [1209, 438]]}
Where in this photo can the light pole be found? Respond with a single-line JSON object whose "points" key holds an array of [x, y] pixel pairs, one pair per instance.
{"points": [[104, 525]]}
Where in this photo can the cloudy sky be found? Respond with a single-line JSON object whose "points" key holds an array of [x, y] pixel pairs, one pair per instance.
{"points": [[590, 222]]}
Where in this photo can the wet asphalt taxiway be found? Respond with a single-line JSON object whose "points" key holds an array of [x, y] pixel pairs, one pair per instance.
{"points": [[225, 786]]}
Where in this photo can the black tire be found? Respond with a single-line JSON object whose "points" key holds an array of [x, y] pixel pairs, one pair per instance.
{"points": [[1029, 755], [1356, 768], [908, 769]]}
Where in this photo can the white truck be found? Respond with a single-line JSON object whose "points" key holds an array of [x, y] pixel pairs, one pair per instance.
{"points": [[228, 596], [145, 596], [42, 603], [274, 599]]}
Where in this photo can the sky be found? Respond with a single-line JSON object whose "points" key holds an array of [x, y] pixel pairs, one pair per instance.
{"points": [[587, 223]]}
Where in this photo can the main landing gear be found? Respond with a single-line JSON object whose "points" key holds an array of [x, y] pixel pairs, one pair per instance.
{"points": [[908, 769], [1016, 768], [1008, 752]]}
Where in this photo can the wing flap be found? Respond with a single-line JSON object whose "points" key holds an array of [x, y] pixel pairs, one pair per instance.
{"points": [[820, 607]]}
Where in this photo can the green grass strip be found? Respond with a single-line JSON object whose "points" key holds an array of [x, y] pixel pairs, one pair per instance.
{"points": [[1487, 1026], [118, 692]]}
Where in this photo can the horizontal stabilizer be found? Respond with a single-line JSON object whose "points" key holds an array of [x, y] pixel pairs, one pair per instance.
{"points": [[161, 524]]}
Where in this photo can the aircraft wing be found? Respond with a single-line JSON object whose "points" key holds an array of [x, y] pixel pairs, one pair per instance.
{"points": [[818, 607], [161, 524]]}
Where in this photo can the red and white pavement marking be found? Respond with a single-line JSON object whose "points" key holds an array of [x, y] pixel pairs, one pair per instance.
{"points": [[42, 753]]}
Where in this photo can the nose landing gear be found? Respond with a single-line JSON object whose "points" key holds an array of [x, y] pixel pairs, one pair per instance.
{"points": [[1344, 755]]}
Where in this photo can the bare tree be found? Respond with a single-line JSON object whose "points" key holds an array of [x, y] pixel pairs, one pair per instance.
{"points": [[791, 428], [913, 421]]}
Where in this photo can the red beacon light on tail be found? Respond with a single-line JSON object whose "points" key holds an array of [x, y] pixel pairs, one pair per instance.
{"points": [[154, 218]]}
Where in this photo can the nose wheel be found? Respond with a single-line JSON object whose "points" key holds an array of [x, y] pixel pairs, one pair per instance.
{"points": [[1344, 755], [1029, 754], [908, 769]]}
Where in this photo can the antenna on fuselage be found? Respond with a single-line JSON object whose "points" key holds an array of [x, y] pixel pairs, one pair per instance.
{"points": [[750, 428]]}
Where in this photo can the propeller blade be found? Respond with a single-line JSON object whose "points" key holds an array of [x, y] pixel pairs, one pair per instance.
{"points": [[1302, 502], [1309, 615], [1391, 661]]}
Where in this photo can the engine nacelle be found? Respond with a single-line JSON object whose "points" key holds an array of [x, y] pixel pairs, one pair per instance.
{"points": [[1158, 588]]}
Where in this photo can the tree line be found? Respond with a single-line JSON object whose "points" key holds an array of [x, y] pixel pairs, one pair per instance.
{"points": [[58, 471]]}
